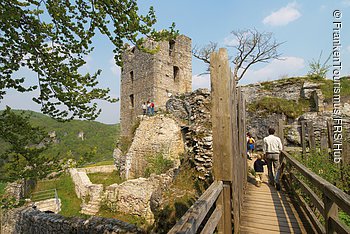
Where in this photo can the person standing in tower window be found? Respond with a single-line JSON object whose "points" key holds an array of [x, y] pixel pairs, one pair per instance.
{"points": [[148, 107], [144, 108], [152, 107]]}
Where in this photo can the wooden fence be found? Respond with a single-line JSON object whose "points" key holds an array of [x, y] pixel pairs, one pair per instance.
{"points": [[222, 202], [325, 142], [327, 204]]}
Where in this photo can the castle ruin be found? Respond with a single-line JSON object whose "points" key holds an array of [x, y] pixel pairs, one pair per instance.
{"points": [[153, 77]]}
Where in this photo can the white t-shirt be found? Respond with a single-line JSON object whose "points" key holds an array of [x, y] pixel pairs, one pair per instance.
{"points": [[272, 144]]}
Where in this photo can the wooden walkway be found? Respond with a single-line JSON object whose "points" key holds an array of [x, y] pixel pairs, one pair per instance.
{"points": [[266, 210]]}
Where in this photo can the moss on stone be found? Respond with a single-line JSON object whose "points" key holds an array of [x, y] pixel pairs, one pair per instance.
{"points": [[290, 108]]}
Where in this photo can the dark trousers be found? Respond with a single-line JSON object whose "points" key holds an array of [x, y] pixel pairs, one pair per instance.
{"points": [[273, 166]]}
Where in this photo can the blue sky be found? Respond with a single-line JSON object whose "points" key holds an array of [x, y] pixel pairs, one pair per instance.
{"points": [[305, 27]]}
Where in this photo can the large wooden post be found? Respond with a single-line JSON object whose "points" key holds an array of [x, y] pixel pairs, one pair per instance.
{"points": [[303, 138], [280, 130], [312, 142], [222, 133], [324, 142], [346, 147], [330, 134]]}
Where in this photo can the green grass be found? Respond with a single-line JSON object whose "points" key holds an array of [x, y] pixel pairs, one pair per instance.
{"points": [[157, 164], [2, 188], [181, 195], [327, 89], [65, 189], [290, 108], [105, 178], [345, 87], [102, 163], [133, 219]]}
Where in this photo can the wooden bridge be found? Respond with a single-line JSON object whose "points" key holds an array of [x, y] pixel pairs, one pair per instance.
{"points": [[233, 204]]}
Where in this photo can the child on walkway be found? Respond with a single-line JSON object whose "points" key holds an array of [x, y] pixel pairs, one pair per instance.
{"points": [[259, 169]]}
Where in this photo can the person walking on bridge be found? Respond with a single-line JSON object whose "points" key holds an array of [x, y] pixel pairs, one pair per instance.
{"points": [[272, 148]]}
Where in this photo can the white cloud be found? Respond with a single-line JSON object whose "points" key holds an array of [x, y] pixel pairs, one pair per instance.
{"points": [[348, 48], [230, 40], [283, 16], [114, 67], [202, 81], [290, 66], [346, 2], [88, 61]]}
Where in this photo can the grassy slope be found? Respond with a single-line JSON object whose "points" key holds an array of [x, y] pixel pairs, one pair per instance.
{"points": [[99, 137], [105, 178], [65, 189], [2, 188]]}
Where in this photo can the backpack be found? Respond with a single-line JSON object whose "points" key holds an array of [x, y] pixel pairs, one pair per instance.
{"points": [[251, 141]]}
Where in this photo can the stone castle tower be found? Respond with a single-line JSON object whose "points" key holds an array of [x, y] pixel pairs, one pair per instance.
{"points": [[154, 77]]}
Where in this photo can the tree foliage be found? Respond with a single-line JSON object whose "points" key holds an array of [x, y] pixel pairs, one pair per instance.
{"points": [[251, 47], [318, 69], [23, 156], [51, 38]]}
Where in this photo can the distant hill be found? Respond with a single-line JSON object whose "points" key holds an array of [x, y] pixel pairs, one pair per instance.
{"points": [[96, 139]]}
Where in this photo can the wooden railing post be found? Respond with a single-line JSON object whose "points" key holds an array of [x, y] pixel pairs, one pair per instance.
{"points": [[312, 143], [222, 133], [330, 210], [280, 130], [324, 142], [303, 139], [330, 134]]}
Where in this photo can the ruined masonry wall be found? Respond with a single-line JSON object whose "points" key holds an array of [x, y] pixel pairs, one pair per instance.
{"points": [[138, 196], [81, 182], [31, 221], [98, 169], [163, 136]]}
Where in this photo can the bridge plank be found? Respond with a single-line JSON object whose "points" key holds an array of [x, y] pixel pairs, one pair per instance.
{"points": [[267, 210]]}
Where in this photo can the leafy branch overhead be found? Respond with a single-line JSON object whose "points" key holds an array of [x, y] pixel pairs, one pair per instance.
{"points": [[250, 47], [52, 37], [23, 146]]}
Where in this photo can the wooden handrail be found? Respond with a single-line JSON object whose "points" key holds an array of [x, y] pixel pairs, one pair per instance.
{"points": [[333, 197], [192, 219]]}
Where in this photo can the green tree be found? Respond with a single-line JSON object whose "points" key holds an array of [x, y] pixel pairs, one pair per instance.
{"points": [[51, 38], [23, 156], [318, 69]]}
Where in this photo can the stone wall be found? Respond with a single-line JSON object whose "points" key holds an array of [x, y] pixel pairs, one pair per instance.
{"points": [[81, 182], [138, 196], [89, 193], [98, 169], [258, 122], [53, 205], [19, 189], [154, 77], [194, 110], [32, 221], [155, 135]]}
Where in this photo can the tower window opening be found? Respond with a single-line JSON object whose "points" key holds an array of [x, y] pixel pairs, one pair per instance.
{"points": [[132, 100], [171, 47], [176, 73], [132, 76]]}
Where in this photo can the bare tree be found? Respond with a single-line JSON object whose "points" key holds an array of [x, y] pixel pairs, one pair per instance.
{"points": [[250, 47], [204, 53]]}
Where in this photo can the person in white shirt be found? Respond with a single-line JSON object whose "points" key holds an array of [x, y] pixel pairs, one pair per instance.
{"points": [[272, 148], [144, 108]]}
